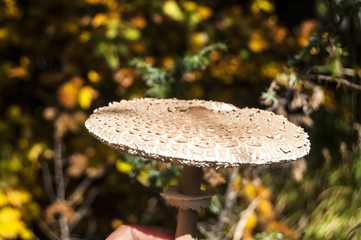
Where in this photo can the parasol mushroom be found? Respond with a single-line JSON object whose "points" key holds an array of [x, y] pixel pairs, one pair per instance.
{"points": [[196, 134]]}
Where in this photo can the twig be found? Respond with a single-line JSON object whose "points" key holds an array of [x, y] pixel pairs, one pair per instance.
{"points": [[208, 234], [59, 179], [243, 216], [58, 168], [92, 227], [82, 187], [229, 200], [46, 230], [336, 79], [348, 71], [64, 227], [55, 186], [84, 208], [48, 182], [353, 231]]}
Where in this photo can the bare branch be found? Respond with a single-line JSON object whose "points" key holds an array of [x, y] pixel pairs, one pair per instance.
{"points": [[348, 71], [48, 182], [229, 200], [92, 227], [58, 168], [46, 230], [84, 207], [83, 186], [57, 192], [243, 216], [208, 234], [335, 79], [64, 227]]}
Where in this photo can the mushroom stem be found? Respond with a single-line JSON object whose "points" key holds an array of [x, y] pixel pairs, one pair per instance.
{"points": [[190, 185]]}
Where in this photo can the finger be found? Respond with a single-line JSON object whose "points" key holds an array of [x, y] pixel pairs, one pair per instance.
{"points": [[138, 232]]}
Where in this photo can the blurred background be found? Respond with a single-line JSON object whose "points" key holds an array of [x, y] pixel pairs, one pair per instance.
{"points": [[59, 60]]}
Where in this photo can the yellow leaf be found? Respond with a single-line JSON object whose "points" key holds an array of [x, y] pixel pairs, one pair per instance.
{"points": [[10, 9], [204, 12], [265, 208], [100, 19], [266, 193], [131, 34], [3, 199], [123, 167], [251, 221], [314, 50], [307, 28], [168, 62], [18, 197], [250, 190], [257, 42], [190, 6], [9, 214], [18, 72], [84, 37], [93, 76], [11, 229], [68, 92], [198, 40], [10, 223], [237, 183], [35, 151], [4, 33], [115, 223], [174, 181], [280, 35], [85, 97], [325, 37], [262, 5], [172, 9], [139, 22], [26, 234], [276, 226], [143, 178]]}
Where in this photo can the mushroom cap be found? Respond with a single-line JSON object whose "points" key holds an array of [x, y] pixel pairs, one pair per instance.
{"points": [[198, 133]]}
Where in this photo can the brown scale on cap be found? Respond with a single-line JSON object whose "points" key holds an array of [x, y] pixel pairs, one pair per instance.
{"points": [[198, 133]]}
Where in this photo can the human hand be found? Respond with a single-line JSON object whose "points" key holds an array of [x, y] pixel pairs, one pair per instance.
{"points": [[140, 232]]}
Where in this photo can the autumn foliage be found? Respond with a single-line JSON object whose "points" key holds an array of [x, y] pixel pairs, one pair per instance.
{"points": [[59, 60]]}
